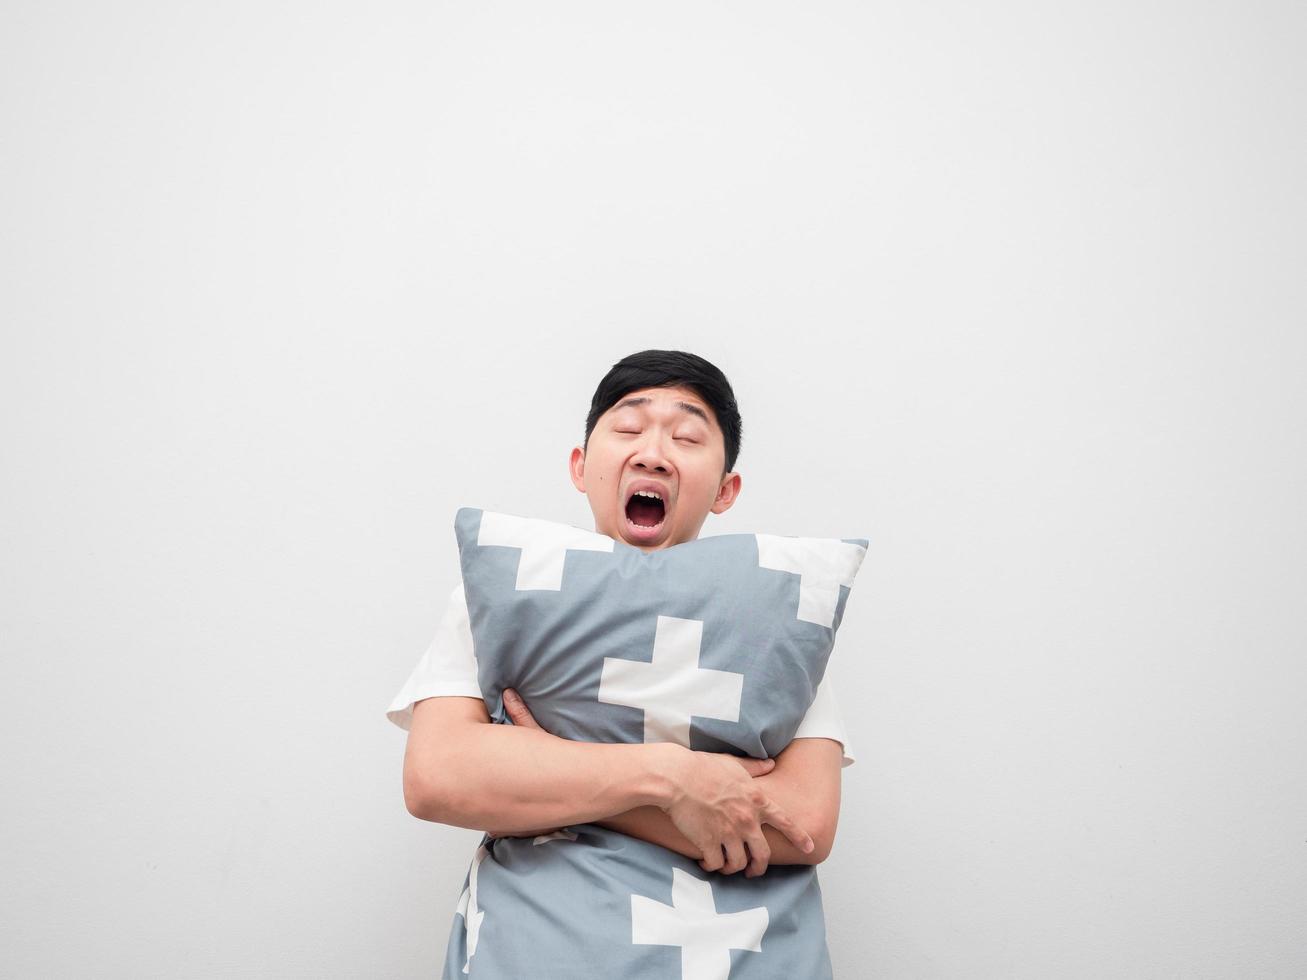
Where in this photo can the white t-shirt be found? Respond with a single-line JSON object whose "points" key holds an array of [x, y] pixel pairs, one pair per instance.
{"points": [[449, 667]]}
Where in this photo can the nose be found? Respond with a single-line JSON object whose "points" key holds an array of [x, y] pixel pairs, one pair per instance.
{"points": [[650, 457]]}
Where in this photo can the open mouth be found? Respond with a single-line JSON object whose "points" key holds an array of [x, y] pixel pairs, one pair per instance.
{"points": [[645, 511], [645, 516]]}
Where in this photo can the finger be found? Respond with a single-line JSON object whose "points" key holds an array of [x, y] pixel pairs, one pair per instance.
{"points": [[712, 859], [777, 817], [759, 854], [516, 709], [736, 859], [757, 767]]}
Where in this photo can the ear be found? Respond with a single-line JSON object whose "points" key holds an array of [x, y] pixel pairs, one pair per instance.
{"points": [[576, 468], [726, 493]]}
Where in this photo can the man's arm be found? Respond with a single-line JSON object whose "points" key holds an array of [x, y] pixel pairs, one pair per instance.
{"points": [[543, 780], [807, 788], [806, 784]]}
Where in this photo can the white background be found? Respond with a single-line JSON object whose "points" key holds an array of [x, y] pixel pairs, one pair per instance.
{"points": [[1014, 290]]}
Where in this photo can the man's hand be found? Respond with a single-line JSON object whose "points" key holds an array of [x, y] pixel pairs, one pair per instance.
{"points": [[518, 714], [720, 809]]}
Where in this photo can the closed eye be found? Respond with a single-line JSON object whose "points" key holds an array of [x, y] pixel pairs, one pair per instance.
{"points": [[636, 432]]}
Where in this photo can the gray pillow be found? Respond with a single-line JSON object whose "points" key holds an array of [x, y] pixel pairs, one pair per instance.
{"points": [[717, 644]]}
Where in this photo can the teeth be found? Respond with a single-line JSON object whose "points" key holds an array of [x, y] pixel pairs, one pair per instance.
{"points": [[647, 493]]}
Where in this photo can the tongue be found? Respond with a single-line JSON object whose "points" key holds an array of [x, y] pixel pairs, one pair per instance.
{"points": [[645, 511]]}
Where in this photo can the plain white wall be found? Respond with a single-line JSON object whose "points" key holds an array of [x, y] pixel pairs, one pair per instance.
{"points": [[1014, 290]]}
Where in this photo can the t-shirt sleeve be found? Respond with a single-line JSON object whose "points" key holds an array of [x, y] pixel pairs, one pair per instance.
{"points": [[824, 720], [449, 667]]}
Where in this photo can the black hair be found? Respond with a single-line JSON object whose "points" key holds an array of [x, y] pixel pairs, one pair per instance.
{"points": [[671, 369]]}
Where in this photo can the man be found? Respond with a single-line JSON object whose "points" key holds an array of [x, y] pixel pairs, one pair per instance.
{"points": [[662, 435]]}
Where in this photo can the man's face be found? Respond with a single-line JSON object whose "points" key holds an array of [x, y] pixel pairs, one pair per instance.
{"points": [[663, 439]]}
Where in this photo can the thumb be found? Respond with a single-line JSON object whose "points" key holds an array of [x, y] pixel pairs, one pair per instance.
{"points": [[516, 709], [758, 767]]}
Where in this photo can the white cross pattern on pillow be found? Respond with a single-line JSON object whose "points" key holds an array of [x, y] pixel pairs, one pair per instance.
{"points": [[469, 909], [692, 922], [673, 687], [822, 564], [544, 545]]}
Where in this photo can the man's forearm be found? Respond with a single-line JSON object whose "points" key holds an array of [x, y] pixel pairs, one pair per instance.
{"points": [[510, 778], [651, 823]]}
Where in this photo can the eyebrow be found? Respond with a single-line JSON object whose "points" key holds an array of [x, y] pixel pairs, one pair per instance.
{"points": [[645, 399]]}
